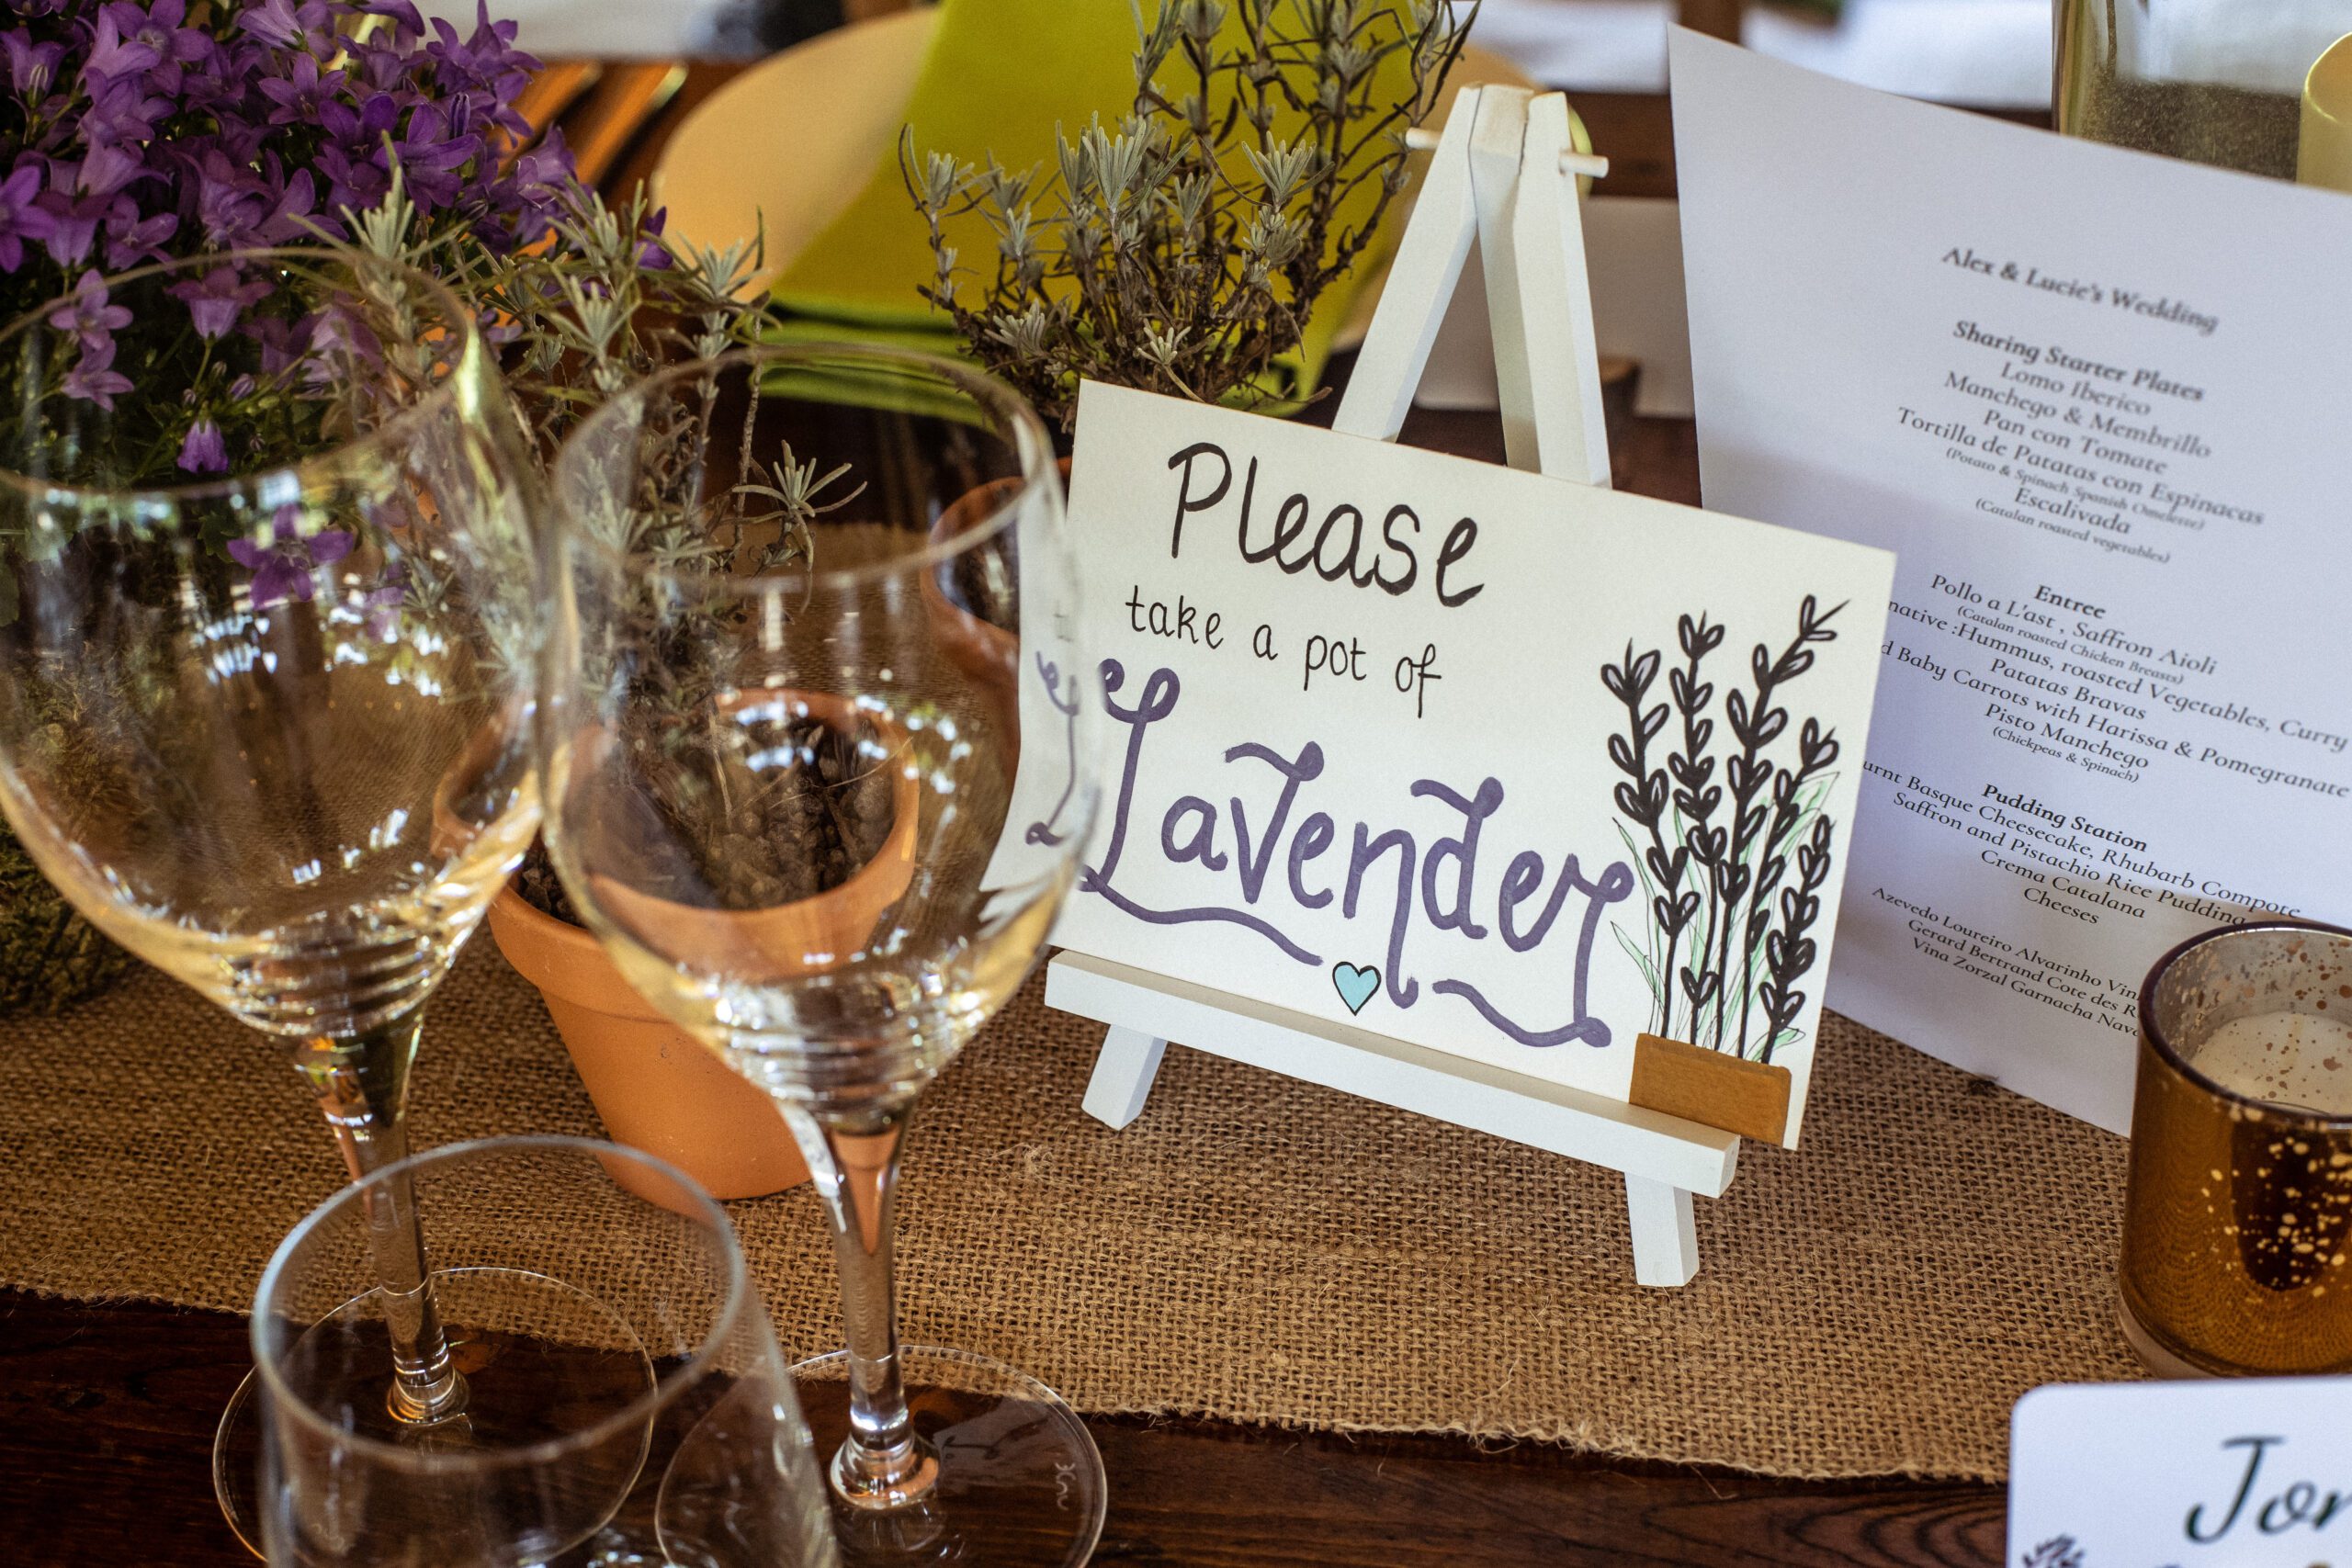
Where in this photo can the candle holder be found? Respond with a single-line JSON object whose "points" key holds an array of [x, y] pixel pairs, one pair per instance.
{"points": [[2219, 81], [2238, 1217]]}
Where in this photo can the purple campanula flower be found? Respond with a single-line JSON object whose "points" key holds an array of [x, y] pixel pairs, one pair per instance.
{"points": [[381, 608], [402, 13], [32, 67], [653, 256], [282, 570], [358, 184], [431, 157], [339, 342], [113, 55], [241, 207], [204, 451], [157, 26], [142, 135], [309, 26], [122, 111], [282, 342], [106, 169], [132, 238], [21, 215], [74, 225], [217, 83], [89, 315], [94, 379], [379, 65], [215, 300], [488, 59], [362, 128], [301, 96], [546, 168]]}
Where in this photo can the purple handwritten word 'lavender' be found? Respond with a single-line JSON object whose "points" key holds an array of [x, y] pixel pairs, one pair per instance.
{"points": [[1430, 895]]}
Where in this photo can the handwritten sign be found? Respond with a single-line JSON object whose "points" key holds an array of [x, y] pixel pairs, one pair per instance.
{"points": [[1499, 764], [2237, 1474]]}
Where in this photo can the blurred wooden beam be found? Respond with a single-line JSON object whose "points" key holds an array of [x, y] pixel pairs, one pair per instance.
{"points": [[1717, 18]]}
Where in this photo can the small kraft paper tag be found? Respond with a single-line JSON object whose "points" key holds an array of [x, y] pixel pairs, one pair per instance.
{"points": [[1711, 1087], [2252, 1472]]}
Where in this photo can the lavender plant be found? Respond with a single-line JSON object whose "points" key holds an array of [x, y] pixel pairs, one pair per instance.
{"points": [[603, 304], [1184, 250], [1724, 955]]}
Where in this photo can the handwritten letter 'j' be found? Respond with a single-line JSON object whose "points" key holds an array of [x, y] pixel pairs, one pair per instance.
{"points": [[1497, 764]]}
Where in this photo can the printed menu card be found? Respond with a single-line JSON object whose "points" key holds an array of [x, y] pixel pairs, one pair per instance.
{"points": [[2100, 404]]}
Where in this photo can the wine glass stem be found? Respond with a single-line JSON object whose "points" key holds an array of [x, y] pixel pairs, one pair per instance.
{"points": [[854, 1159], [361, 1081]]}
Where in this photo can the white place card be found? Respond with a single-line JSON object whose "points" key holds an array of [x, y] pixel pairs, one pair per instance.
{"points": [[2097, 403], [2250, 1473], [1497, 764]]}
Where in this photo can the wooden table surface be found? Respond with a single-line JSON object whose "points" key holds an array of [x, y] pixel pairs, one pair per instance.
{"points": [[106, 1411]]}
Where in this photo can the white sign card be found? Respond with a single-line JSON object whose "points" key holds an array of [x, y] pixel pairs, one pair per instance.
{"points": [[2236, 1472], [1502, 765], [2096, 404]]}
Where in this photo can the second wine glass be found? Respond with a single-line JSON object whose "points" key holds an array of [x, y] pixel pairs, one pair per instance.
{"points": [[791, 787]]}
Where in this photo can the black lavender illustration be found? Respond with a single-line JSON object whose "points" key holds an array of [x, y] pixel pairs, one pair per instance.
{"points": [[2057, 1553], [1732, 866]]}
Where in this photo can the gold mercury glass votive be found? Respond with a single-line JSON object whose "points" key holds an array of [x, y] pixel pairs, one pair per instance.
{"points": [[2238, 1218]]}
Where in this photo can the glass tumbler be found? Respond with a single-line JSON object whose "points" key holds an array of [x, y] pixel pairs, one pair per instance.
{"points": [[545, 1261], [2212, 81]]}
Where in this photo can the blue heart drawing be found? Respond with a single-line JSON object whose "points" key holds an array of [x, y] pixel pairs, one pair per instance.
{"points": [[1356, 986]]}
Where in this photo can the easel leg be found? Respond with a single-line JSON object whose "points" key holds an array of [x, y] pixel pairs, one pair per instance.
{"points": [[1666, 1232], [1124, 1071]]}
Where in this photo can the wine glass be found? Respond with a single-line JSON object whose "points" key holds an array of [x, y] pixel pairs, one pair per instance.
{"points": [[792, 785], [267, 614], [652, 1285]]}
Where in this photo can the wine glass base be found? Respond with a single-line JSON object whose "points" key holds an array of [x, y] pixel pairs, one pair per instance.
{"points": [[540, 1359], [1021, 1483]]}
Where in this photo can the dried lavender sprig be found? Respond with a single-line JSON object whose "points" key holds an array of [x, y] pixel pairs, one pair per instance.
{"points": [[1756, 724], [1642, 794], [1789, 952], [1695, 795], [1816, 749]]}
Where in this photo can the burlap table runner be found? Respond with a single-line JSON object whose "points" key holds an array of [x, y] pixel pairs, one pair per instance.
{"points": [[1253, 1249]]}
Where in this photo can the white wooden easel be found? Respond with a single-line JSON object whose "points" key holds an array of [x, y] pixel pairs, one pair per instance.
{"points": [[1503, 174]]}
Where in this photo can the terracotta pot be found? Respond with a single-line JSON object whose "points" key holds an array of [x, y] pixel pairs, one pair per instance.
{"points": [[655, 1086], [987, 653]]}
